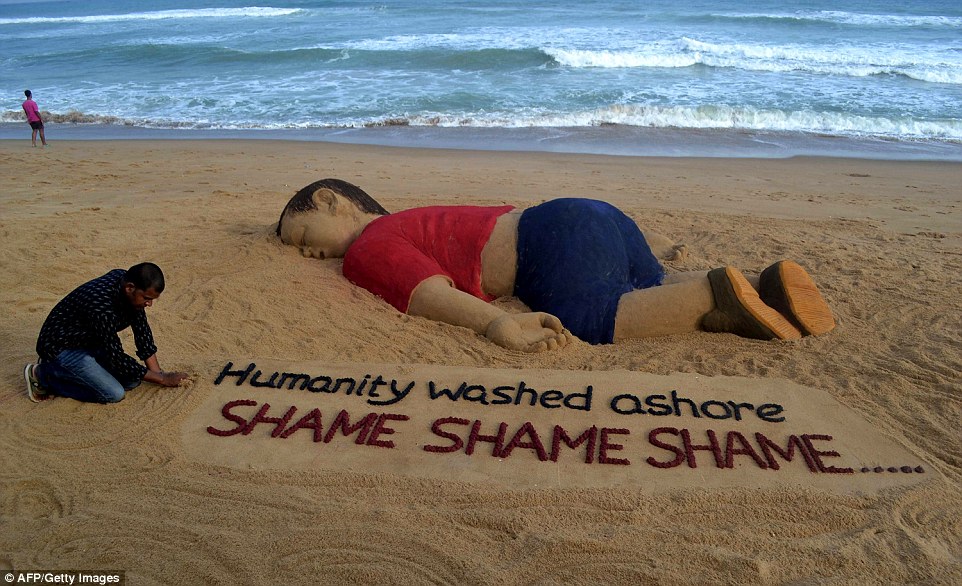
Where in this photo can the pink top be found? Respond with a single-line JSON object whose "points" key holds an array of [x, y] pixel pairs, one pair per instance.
{"points": [[30, 108], [395, 253]]}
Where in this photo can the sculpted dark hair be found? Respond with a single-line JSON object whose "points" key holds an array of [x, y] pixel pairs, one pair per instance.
{"points": [[146, 275], [303, 200], [27, 93]]}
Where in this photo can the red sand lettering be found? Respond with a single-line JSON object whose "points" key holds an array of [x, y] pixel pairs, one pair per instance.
{"points": [[736, 444], [368, 428], [596, 441]]}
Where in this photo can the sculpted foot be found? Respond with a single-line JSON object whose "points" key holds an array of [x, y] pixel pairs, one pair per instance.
{"points": [[665, 248], [679, 252], [786, 287]]}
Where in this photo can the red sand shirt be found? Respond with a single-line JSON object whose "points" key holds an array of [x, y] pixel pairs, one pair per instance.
{"points": [[395, 253]]}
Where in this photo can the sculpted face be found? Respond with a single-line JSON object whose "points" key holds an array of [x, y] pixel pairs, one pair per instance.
{"points": [[323, 227]]}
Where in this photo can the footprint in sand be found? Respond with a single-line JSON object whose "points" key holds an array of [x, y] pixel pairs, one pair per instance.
{"points": [[32, 498]]}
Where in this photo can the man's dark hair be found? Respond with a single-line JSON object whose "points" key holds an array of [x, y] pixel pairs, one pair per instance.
{"points": [[303, 200], [27, 93], [146, 275]]}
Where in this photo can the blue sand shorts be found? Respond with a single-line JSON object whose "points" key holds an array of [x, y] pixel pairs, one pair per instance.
{"points": [[576, 258]]}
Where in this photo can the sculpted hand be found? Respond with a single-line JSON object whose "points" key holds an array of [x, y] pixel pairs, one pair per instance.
{"points": [[528, 332]]}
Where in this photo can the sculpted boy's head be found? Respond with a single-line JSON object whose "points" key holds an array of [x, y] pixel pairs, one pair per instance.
{"points": [[325, 217]]}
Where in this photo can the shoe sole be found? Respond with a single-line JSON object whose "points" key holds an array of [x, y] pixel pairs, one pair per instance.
{"points": [[736, 297], [31, 390], [788, 288]]}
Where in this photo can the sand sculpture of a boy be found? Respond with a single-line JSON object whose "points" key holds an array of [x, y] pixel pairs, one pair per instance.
{"points": [[582, 266]]}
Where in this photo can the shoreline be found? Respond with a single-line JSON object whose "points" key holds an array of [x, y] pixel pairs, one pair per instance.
{"points": [[602, 140], [728, 185]]}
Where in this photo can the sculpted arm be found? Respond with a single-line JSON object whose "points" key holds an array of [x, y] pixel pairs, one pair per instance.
{"points": [[435, 298]]}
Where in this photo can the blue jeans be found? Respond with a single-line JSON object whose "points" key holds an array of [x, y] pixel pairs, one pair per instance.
{"points": [[78, 375]]}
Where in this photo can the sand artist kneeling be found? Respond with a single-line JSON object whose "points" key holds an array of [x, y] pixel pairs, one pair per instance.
{"points": [[81, 355], [581, 265]]}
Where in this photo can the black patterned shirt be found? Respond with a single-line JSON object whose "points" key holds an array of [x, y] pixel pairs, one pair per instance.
{"points": [[89, 318]]}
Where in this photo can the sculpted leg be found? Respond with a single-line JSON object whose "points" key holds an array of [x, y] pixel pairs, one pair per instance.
{"points": [[725, 300], [676, 307]]}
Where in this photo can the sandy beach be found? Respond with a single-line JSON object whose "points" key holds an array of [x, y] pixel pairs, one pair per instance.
{"points": [[116, 488]]}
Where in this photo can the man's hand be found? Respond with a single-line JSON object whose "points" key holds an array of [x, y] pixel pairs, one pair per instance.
{"points": [[528, 332], [173, 379], [165, 379], [159, 377]]}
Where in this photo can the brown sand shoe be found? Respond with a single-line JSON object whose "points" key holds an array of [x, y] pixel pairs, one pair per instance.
{"points": [[739, 309], [786, 287]]}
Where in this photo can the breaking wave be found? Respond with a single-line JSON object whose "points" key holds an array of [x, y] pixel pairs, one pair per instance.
{"points": [[680, 117], [248, 12], [855, 18], [851, 61]]}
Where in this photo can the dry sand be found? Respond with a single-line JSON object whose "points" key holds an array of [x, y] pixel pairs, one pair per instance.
{"points": [[112, 487]]}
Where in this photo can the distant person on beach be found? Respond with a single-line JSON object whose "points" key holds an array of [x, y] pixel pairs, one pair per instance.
{"points": [[81, 355], [581, 265], [33, 118]]}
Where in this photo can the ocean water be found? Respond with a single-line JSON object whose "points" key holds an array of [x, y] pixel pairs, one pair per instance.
{"points": [[881, 74]]}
